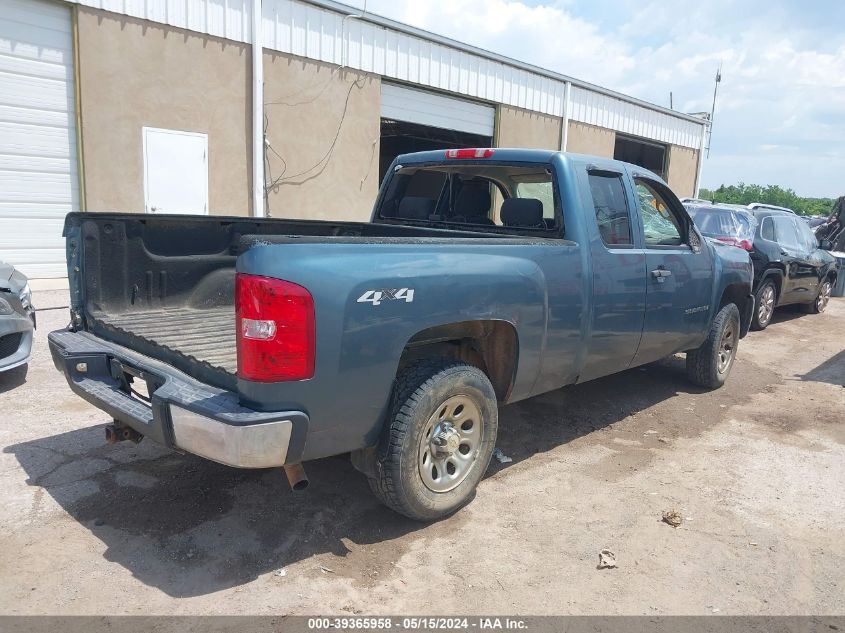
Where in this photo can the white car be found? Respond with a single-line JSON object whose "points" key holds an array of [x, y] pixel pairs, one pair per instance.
{"points": [[17, 318]]}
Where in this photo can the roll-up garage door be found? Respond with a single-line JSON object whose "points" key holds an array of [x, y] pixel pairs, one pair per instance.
{"points": [[38, 171], [429, 108]]}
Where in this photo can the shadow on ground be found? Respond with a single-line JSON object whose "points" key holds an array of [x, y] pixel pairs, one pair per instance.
{"points": [[790, 312], [192, 527], [12, 378], [831, 371]]}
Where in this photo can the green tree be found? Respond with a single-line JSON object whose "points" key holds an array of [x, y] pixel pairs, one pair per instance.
{"points": [[742, 193]]}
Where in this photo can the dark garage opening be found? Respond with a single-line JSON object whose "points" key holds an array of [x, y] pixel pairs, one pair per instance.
{"points": [[399, 137], [652, 156]]}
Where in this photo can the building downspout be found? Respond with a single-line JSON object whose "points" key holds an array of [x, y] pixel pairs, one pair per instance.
{"points": [[564, 124], [700, 158], [258, 194], [77, 90]]}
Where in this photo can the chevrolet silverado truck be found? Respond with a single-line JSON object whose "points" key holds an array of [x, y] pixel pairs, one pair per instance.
{"points": [[484, 277]]}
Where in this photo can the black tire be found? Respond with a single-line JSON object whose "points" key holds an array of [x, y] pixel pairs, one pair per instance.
{"points": [[822, 298], [763, 312], [706, 365], [421, 395]]}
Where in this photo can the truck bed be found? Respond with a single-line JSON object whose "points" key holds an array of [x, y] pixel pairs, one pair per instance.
{"points": [[203, 335], [165, 285]]}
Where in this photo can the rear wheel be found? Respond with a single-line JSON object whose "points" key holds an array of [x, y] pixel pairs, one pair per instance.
{"points": [[825, 290], [709, 365], [441, 434], [764, 305]]}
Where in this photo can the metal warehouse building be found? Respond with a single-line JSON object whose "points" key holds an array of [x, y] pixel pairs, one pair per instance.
{"points": [[151, 106]]}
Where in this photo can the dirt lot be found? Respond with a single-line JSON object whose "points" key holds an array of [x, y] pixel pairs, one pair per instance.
{"points": [[756, 470]]}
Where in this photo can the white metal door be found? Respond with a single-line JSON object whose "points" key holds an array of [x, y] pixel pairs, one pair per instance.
{"points": [[430, 108], [175, 171], [38, 170]]}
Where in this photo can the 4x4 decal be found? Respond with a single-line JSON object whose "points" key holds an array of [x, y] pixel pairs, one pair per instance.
{"points": [[387, 294]]}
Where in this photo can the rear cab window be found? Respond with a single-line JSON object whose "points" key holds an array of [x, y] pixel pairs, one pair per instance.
{"points": [[499, 198]]}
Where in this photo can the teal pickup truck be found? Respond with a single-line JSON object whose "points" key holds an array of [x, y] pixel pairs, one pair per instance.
{"points": [[484, 277]]}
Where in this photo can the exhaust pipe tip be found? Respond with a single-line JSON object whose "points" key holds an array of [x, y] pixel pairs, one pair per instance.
{"points": [[131, 435], [115, 434], [297, 478]]}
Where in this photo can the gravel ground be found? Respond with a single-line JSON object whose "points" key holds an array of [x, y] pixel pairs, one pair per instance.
{"points": [[755, 471]]}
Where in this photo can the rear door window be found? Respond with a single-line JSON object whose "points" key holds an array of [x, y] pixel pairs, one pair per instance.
{"points": [[767, 229], [611, 206], [786, 233]]}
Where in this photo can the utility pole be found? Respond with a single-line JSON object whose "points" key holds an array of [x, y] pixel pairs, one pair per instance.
{"points": [[713, 107]]}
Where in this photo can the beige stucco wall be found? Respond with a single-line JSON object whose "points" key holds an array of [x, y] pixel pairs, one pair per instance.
{"points": [[134, 74], [589, 139], [521, 128], [323, 126], [683, 168]]}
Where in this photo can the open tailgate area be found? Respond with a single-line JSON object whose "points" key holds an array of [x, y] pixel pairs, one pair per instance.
{"points": [[164, 285], [205, 335]]}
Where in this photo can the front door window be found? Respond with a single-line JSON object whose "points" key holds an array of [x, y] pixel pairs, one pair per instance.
{"points": [[660, 225]]}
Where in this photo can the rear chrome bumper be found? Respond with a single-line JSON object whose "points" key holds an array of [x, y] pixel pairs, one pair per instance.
{"points": [[182, 413]]}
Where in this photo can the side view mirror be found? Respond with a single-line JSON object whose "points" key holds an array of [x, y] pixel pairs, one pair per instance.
{"points": [[825, 245]]}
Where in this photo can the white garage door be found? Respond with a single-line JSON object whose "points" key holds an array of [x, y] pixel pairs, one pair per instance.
{"points": [[430, 108], [38, 178]]}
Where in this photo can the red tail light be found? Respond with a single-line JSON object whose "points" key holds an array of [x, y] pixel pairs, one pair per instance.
{"points": [[469, 153], [275, 329], [739, 243]]}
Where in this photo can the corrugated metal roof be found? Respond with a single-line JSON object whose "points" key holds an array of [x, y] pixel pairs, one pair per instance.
{"points": [[336, 33]]}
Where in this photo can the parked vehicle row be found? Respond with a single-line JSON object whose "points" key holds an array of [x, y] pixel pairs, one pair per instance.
{"points": [[17, 318], [790, 266], [833, 228], [484, 277]]}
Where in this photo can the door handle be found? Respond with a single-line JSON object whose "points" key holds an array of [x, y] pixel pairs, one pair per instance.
{"points": [[660, 274]]}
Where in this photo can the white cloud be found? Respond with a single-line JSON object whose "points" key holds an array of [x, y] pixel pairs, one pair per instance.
{"points": [[783, 69]]}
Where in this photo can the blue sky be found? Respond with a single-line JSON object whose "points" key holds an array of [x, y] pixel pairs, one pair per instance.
{"points": [[780, 117]]}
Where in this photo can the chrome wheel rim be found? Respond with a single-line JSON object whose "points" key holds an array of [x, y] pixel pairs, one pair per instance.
{"points": [[767, 305], [824, 296], [727, 346], [450, 445]]}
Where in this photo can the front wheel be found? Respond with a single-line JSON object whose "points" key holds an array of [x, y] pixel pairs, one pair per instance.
{"points": [[440, 436], [710, 364]]}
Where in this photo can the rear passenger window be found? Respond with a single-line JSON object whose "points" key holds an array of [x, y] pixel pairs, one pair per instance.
{"points": [[767, 229], [611, 206], [786, 233]]}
